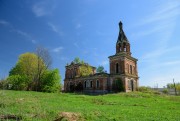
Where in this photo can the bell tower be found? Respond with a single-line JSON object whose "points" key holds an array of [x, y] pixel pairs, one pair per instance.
{"points": [[122, 44], [122, 65]]}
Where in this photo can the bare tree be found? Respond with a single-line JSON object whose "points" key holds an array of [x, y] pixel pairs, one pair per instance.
{"points": [[44, 63]]}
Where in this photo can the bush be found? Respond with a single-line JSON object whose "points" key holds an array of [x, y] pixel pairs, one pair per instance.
{"points": [[144, 89], [51, 81], [3, 84], [17, 82], [178, 88], [148, 90], [165, 91]]}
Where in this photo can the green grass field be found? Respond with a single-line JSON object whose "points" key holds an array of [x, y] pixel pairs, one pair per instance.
{"points": [[134, 106]]}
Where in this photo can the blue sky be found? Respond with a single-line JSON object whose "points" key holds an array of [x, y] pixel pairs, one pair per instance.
{"points": [[88, 29]]}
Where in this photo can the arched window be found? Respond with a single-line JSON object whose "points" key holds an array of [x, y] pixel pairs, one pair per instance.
{"points": [[84, 84], [132, 85], [134, 69], [97, 83], [71, 73], [127, 67], [91, 84], [130, 69], [124, 47], [120, 48], [74, 72], [129, 84], [117, 68], [67, 86]]}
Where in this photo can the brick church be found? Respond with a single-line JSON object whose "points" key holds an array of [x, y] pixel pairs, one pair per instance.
{"points": [[123, 72]]}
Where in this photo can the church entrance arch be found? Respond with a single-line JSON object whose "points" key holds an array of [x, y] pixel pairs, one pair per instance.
{"points": [[132, 85]]}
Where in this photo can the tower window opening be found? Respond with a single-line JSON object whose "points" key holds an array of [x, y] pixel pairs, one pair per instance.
{"points": [[117, 68], [130, 69], [124, 47], [127, 66], [120, 47]]}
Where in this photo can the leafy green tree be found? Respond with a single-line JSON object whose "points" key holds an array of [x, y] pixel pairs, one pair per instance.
{"points": [[100, 69], [77, 60], [51, 81], [18, 82], [171, 85], [85, 70], [26, 66], [82, 62], [43, 63], [32, 72], [3, 84]]}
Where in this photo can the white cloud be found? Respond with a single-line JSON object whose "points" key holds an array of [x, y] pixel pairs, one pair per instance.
{"points": [[34, 41], [170, 63], [58, 49], [26, 35], [39, 11], [158, 65], [105, 62], [3, 22], [55, 29], [157, 53], [22, 33], [44, 8], [19, 32], [161, 20], [160, 79], [164, 11]]}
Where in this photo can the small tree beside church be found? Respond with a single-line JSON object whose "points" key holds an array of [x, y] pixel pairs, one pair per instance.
{"points": [[100, 69]]}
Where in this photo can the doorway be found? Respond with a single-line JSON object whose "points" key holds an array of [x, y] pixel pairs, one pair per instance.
{"points": [[132, 85]]}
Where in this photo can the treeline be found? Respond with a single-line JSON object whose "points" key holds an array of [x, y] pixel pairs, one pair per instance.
{"points": [[32, 72], [172, 85]]}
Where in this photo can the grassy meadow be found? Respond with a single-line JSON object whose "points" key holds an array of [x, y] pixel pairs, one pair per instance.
{"points": [[135, 106]]}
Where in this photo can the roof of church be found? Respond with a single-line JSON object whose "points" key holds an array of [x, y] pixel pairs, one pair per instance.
{"points": [[122, 37]]}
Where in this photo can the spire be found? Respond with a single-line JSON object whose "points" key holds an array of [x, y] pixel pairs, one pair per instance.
{"points": [[122, 37], [120, 26], [122, 44]]}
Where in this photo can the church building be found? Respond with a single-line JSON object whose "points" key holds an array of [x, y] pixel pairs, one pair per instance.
{"points": [[123, 74]]}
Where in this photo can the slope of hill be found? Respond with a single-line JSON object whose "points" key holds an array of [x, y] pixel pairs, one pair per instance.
{"points": [[134, 106]]}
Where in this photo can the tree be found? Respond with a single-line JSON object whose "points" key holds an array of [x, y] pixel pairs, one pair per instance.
{"points": [[77, 60], [18, 82], [26, 66], [32, 72], [171, 85], [51, 81], [43, 63], [3, 84], [85, 70], [100, 69]]}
